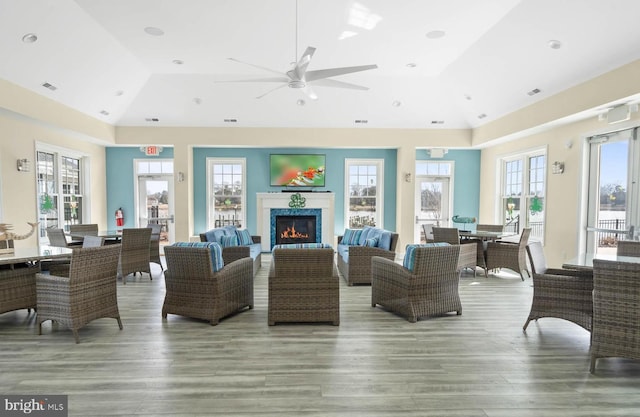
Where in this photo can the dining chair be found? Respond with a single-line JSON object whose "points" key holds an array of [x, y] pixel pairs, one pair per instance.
{"points": [[61, 268], [628, 248], [616, 308], [87, 294], [427, 229], [560, 293], [481, 253], [154, 244], [58, 238], [78, 231], [511, 255], [134, 256], [468, 251]]}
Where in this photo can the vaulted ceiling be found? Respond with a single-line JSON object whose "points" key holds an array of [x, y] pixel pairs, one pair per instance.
{"points": [[441, 64]]}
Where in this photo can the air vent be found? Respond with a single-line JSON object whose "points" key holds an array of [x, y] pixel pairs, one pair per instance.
{"points": [[104, 112], [361, 121], [50, 86], [152, 119], [230, 120], [534, 92], [482, 116], [437, 122]]}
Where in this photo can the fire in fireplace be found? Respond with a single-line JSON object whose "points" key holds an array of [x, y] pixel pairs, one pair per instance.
{"points": [[295, 229]]}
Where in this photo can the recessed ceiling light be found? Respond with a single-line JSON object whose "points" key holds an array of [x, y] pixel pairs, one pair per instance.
{"points": [[197, 100], [467, 96], [178, 61], [412, 65], [301, 102], [396, 103], [554, 44], [150, 30], [436, 34], [119, 93], [30, 38]]}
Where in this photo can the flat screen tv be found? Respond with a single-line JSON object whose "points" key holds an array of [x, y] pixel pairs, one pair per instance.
{"points": [[297, 170]]}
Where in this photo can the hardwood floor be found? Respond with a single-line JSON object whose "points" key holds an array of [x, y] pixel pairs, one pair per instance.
{"points": [[374, 364]]}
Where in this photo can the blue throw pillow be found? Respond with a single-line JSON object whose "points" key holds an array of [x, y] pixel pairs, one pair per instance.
{"points": [[373, 242], [384, 241], [410, 253], [244, 237], [351, 237], [228, 241], [214, 248], [364, 235]]}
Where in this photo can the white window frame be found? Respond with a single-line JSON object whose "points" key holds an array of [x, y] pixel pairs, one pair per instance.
{"points": [[525, 180], [379, 164], [210, 193]]}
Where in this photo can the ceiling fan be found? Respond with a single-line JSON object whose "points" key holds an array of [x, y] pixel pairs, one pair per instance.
{"points": [[298, 77]]}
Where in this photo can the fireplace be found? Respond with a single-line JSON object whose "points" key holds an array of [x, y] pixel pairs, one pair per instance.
{"points": [[295, 229], [295, 226]]}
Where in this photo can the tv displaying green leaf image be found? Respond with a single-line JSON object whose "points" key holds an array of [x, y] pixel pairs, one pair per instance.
{"points": [[297, 170]]}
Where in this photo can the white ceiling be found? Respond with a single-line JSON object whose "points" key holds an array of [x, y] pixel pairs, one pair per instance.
{"points": [[98, 55]]}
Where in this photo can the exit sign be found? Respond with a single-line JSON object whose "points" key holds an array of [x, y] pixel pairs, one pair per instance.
{"points": [[152, 150]]}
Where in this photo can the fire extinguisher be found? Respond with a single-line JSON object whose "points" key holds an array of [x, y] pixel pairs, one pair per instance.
{"points": [[119, 217]]}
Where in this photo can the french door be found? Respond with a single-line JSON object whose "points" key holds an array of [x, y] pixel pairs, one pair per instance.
{"points": [[613, 209], [155, 204], [431, 204]]}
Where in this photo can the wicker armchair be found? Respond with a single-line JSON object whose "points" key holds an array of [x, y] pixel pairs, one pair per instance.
{"points": [[18, 287], [616, 308], [628, 248], [431, 288], [134, 256], [511, 255], [154, 244], [88, 293], [303, 286], [61, 267], [358, 269], [468, 251], [560, 293], [194, 290]]}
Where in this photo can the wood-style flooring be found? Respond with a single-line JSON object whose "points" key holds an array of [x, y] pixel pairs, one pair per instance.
{"points": [[374, 364]]}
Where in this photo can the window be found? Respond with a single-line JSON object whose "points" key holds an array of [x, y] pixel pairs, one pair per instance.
{"points": [[60, 179], [226, 195], [523, 192], [363, 191]]}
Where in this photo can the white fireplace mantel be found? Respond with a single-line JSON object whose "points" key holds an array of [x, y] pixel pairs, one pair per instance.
{"points": [[278, 200]]}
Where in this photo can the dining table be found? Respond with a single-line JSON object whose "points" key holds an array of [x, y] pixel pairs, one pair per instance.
{"points": [[34, 254], [584, 261], [484, 235], [110, 236]]}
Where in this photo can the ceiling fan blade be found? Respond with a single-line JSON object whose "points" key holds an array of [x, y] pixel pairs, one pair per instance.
{"points": [[332, 72], [257, 66], [272, 90], [298, 72], [258, 80], [325, 82]]}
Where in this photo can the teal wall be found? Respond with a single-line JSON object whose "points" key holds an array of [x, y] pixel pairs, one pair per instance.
{"points": [[120, 181], [258, 179], [466, 192]]}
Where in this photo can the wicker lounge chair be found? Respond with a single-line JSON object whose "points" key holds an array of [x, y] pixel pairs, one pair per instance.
{"points": [[616, 308], [560, 293], [511, 255], [431, 288], [154, 244], [303, 286], [628, 248], [134, 256], [88, 293], [357, 270], [194, 290]]}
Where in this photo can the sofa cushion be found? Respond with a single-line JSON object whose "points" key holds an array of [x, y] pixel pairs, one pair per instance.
{"points": [[351, 237], [384, 240], [214, 248], [227, 241], [410, 253], [255, 250], [302, 246], [229, 230], [244, 237], [371, 242], [343, 252], [364, 235]]}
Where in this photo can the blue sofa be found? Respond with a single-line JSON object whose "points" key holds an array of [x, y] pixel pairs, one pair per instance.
{"points": [[356, 248], [236, 244]]}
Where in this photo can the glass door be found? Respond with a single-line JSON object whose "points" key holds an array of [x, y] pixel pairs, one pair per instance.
{"points": [[156, 204], [432, 204], [613, 207]]}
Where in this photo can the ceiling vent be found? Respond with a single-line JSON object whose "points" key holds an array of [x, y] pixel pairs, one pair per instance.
{"points": [[230, 120], [152, 119], [482, 116], [49, 86], [104, 112], [437, 122], [361, 121], [534, 92]]}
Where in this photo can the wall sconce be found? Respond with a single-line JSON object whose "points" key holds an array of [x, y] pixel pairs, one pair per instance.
{"points": [[180, 176], [407, 177], [24, 165], [557, 167]]}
